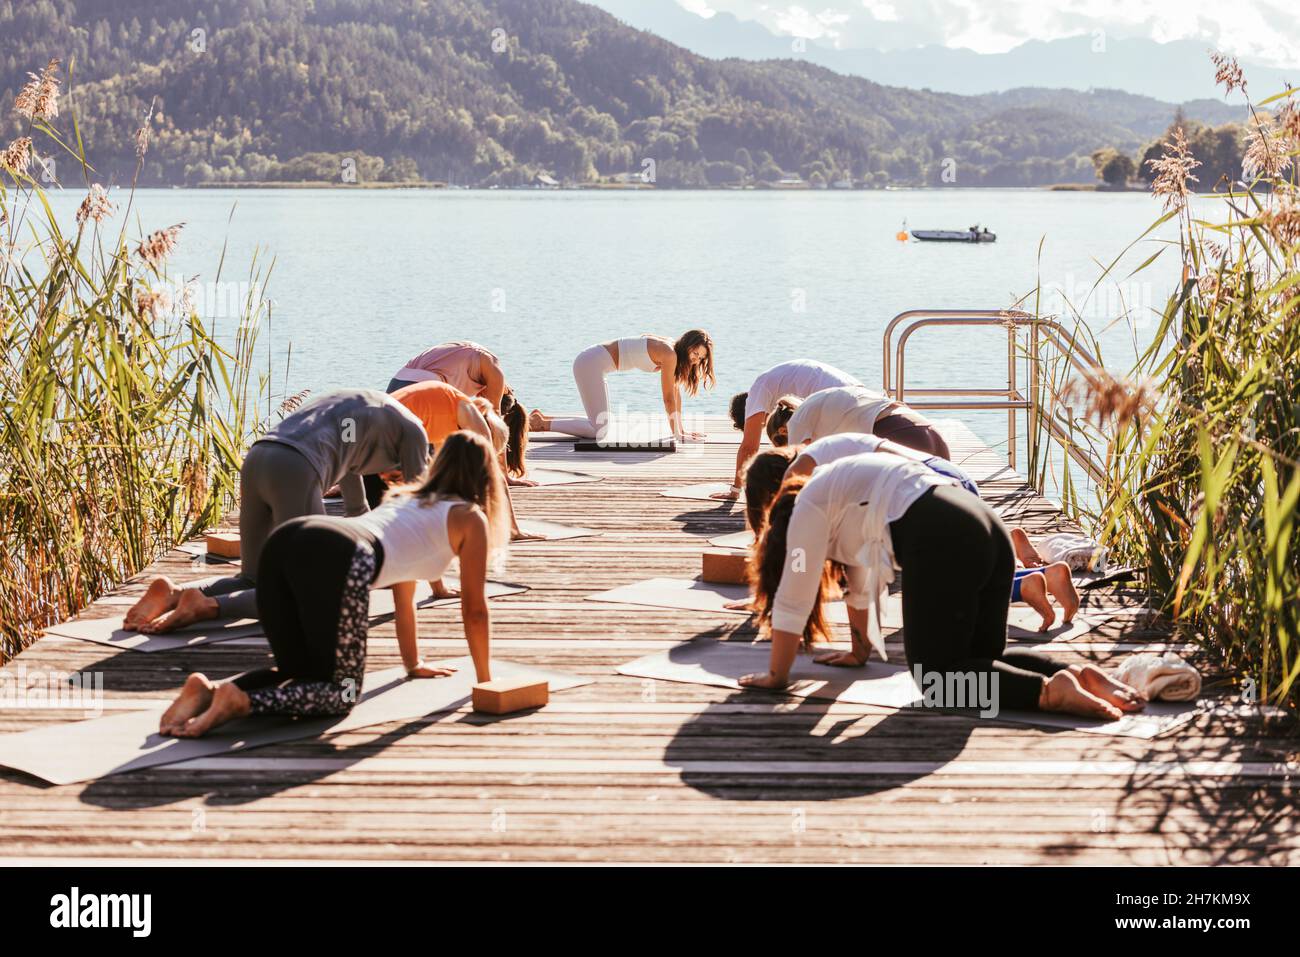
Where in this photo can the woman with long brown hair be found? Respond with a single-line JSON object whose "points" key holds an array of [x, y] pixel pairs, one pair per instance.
{"points": [[685, 365], [870, 514], [314, 588]]}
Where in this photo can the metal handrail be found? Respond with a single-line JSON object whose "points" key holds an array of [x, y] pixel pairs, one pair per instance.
{"points": [[1011, 399]]}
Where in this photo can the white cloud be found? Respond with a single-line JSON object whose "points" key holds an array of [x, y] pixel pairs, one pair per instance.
{"points": [[1261, 29]]}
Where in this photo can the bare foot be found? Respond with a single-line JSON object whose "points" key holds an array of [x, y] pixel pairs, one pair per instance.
{"points": [[1061, 585], [159, 598], [1097, 682], [516, 482], [195, 696], [228, 703], [521, 536], [740, 604], [191, 606], [538, 422], [1033, 592], [1062, 692]]}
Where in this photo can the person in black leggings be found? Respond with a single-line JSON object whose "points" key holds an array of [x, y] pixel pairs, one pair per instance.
{"points": [[870, 513], [313, 592], [957, 564]]}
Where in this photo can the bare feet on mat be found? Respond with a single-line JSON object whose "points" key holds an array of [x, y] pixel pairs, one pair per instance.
{"points": [[158, 599], [1033, 592], [1097, 682], [1063, 693], [730, 495], [538, 422], [191, 606], [195, 696], [740, 604], [1065, 592], [228, 703], [521, 536], [516, 482]]}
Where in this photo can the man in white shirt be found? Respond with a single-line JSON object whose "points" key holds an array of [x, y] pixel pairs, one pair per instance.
{"points": [[749, 410]]}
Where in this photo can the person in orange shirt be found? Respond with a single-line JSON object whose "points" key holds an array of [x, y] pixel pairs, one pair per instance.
{"points": [[444, 409]]}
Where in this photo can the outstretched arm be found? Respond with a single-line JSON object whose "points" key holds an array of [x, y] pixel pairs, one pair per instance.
{"points": [[467, 527], [749, 442]]}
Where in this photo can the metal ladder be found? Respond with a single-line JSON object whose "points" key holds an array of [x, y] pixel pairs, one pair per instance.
{"points": [[1045, 412]]}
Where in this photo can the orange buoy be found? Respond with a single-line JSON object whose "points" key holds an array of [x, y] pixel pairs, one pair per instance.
{"points": [[901, 236]]}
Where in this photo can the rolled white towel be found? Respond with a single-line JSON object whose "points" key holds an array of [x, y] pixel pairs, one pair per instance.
{"points": [[1080, 552], [1165, 677]]}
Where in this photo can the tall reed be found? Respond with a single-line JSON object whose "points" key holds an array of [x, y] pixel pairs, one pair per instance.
{"points": [[1200, 442], [123, 412]]}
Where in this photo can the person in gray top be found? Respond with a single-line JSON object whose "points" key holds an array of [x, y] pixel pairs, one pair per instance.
{"points": [[331, 440]]}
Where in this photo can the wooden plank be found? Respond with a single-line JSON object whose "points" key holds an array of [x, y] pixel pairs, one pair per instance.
{"points": [[626, 770]]}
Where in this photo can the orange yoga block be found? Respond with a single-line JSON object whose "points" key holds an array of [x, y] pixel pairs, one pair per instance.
{"points": [[223, 544], [508, 695], [725, 567]]}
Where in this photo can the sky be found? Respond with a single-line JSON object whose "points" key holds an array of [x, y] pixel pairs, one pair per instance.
{"points": [[1258, 29]]}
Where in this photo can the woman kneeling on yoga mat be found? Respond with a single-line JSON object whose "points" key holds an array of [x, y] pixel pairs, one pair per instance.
{"points": [[796, 420], [686, 364], [1034, 579], [872, 513], [313, 593]]}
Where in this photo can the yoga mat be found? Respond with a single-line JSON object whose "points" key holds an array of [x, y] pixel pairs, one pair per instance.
{"points": [[547, 477], [552, 531], [694, 595], [740, 541], [381, 599], [200, 550], [109, 631], [691, 594], [702, 491], [720, 664], [88, 750]]}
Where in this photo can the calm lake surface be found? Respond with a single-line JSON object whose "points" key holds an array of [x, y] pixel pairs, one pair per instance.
{"points": [[364, 280]]}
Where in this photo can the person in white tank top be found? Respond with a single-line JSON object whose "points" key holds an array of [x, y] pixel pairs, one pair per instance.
{"points": [[686, 364], [314, 593]]}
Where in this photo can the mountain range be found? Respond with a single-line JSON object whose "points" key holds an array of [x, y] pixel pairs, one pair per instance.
{"points": [[507, 92], [1176, 70]]}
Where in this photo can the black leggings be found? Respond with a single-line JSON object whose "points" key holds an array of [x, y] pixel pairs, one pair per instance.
{"points": [[957, 564], [313, 596]]}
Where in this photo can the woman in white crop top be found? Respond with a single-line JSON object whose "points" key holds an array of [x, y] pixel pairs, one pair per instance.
{"points": [[313, 592], [686, 364]]}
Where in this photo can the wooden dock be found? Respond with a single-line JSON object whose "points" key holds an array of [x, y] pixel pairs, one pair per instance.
{"points": [[626, 770]]}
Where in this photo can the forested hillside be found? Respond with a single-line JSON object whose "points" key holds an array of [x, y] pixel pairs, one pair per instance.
{"points": [[497, 91]]}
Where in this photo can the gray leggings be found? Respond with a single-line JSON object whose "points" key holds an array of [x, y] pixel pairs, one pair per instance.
{"points": [[276, 483]]}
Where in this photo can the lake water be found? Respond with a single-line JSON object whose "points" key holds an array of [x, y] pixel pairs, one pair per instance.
{"points": [[364, 280]]}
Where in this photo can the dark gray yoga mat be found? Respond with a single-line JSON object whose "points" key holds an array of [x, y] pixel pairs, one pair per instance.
{"points": [[878, 683], [88, 750]]}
